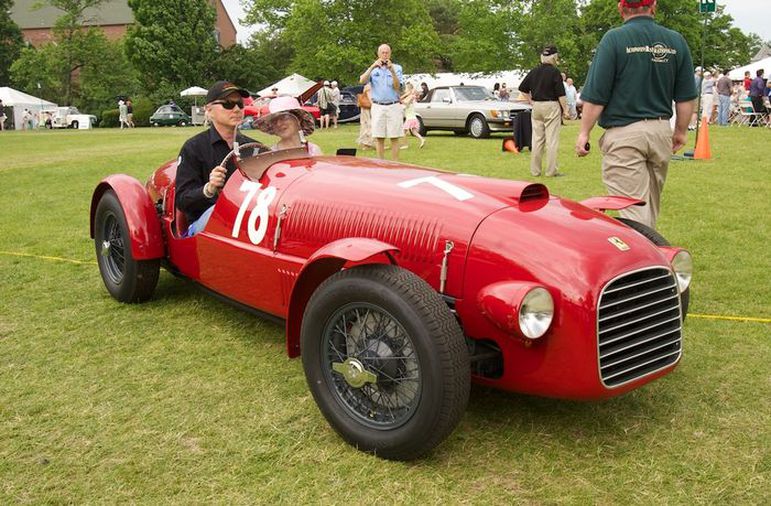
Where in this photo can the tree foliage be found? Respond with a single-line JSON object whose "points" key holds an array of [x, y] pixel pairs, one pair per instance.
{"points": [[11, 41], [172, 43], [339, 38]]}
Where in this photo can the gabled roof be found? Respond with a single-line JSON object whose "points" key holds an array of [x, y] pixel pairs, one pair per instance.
{"points": [[111, 12]]}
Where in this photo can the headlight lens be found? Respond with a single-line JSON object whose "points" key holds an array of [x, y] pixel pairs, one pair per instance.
{"points": [[682, 264], [536, 313]]}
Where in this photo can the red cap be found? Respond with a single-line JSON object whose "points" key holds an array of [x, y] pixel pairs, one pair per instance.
{"points": [[636, 3]]}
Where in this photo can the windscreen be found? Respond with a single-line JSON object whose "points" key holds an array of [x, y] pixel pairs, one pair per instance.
{"points": [[469, 93]]}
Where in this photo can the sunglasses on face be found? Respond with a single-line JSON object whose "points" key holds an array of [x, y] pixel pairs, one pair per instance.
{"points": [[229, 105]]}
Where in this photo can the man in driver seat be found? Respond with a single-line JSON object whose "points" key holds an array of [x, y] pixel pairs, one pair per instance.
{"points": [[200, 177]]}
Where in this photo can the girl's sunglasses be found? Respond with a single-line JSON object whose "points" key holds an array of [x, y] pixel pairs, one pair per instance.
{"points": [[229, 105]]}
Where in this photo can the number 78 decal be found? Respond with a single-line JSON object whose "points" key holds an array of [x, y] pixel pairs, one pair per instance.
{"points": [[455, 191], [260, 212]]}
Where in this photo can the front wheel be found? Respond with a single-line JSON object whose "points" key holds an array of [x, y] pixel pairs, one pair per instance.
{"points": [[74, 125], [126, 279], [478, 127], [386, 361], [659, 240]]}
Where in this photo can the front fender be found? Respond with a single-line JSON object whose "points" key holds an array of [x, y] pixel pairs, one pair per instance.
{"points": [[326, 261], [144, 226]]}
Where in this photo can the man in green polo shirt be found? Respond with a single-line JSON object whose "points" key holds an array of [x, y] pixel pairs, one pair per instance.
{"points": [[639, 69]]}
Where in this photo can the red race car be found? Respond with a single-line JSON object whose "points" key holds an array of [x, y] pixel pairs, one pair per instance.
{"points": [[400, 285]]}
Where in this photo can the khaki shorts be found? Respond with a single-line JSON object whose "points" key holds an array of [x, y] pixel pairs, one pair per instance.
{"points": [[387, 121]]}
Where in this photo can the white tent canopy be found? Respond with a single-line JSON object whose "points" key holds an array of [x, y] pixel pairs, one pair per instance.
{"points": [[294, 86], [738, 74], [193, 91], [20, 101]]}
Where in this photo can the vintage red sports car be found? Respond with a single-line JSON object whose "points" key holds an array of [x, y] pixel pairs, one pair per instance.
{"points": [[399, 285]]}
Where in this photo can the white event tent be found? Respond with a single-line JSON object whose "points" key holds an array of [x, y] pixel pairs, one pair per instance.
{"points": [[512, 78], [738, 74], [19, 101]]}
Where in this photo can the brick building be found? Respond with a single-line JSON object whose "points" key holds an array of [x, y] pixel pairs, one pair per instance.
{"points": [[113, 16]]}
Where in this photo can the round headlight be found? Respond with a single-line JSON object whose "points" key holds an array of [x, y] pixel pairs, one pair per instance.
{"points": [[536, 313], [682, 264]]}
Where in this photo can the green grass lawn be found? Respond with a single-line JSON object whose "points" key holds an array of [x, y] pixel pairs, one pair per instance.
{"points": [[187, 400]]}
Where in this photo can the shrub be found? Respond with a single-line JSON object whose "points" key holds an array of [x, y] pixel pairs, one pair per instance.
{"points": [[143, 109], [110, 118]]}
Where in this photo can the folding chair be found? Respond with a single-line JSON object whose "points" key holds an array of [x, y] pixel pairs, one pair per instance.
{"points": [[747, 113]]}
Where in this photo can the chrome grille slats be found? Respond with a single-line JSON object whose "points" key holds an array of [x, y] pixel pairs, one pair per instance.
{"points": [[639, 325]]}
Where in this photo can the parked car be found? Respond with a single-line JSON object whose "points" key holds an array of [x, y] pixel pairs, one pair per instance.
{"points": [[258, 106], [400, 285], [69, 117], [464, 110], [167, 115], [349, 106]]}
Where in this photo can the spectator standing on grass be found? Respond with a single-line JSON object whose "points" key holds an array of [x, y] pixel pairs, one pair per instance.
{"points": [[26, 120], [639, 69], [571, 97], [334, 111], [496, 90], [747, 81], [546, 93], [707, 96], [503, 92], [324, 101], [2, 116], [129, 113], [386, 80], [122, 114], [757, 91], [723, 87], [200, 177], [364, 101]]}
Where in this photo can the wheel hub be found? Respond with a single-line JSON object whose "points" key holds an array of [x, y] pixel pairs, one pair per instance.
{"points": [[354, 372], [106, 248]]}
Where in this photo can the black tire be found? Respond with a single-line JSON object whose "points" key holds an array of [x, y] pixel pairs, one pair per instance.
{"points": [[410, 403], [182, 123], [74, 125], [478, 127], [422, 128], [154, 123], [126, 279], [659, 240]]}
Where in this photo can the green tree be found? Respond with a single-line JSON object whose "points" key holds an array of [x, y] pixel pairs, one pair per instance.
{"points": [[172, 43], [11, 41], [339, 38]]}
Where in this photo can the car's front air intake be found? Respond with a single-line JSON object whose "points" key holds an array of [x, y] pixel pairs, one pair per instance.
{"points": [[639, 325]]}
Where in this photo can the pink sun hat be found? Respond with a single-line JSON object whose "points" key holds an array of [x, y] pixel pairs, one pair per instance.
{"points": [[283, 105]]}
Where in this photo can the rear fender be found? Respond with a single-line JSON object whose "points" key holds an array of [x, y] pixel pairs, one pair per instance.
{"points": [[611, 203], [322, 264], [144, 226]]}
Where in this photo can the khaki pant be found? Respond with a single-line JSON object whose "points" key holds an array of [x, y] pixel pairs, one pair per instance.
{"points": [[635, 159], [547, 120], [365, 128]]}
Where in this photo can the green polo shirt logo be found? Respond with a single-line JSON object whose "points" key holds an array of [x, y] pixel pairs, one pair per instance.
{"points": [[659, 51]]}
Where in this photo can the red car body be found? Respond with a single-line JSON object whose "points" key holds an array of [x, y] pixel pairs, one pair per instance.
{"points": [[271, 242]]}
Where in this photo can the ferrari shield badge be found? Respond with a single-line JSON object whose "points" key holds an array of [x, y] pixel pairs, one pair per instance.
{"points": [[621, 245]]}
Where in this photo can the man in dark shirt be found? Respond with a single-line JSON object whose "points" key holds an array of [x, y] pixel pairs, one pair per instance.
{"points": [[544, 90], [757, 90], [200, 177], [724, 86], [639, 69]]}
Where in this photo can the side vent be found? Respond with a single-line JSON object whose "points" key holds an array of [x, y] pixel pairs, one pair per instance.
{"points": [[533, 197]]}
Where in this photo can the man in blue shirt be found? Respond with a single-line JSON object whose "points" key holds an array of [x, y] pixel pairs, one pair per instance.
{"points": [[386, 80]]}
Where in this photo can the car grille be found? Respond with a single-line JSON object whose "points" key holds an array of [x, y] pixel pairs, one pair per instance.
{"points": [[639, 325]]}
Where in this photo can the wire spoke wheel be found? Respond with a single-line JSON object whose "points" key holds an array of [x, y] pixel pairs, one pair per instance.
{"points": [[365, 340], [113, 249]]}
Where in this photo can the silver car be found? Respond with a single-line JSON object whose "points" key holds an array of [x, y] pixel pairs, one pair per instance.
{"points": [[466, 109]]}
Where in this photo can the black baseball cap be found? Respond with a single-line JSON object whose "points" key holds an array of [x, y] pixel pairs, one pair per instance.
{"points": [[549, 50], [222, 89]]}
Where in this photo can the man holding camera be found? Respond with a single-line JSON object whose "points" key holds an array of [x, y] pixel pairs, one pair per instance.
{"points": [[386, 79]]}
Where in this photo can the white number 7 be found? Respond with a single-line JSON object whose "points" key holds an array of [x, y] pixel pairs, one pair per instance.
{"points": [[260, 211]]}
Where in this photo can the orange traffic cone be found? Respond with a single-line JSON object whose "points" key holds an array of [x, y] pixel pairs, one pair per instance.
{"points": [[509, 145], [702, 151]]}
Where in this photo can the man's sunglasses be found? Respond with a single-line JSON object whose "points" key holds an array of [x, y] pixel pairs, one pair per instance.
{"points": [[229, 105]]}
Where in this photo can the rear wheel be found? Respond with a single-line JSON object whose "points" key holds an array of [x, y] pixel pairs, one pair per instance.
{"points": [[477, 126], [659, 240], [74, 125], [386, 361], [126, 279], [182, 123]]}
